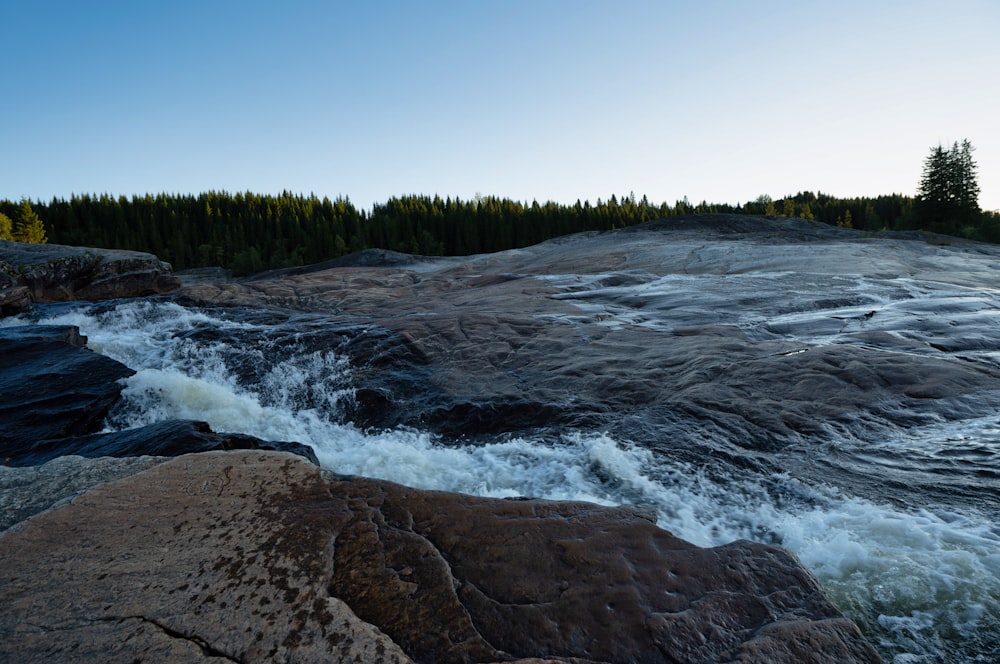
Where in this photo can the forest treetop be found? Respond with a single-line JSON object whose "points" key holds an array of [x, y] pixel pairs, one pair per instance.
{"points": [[249, 232]]}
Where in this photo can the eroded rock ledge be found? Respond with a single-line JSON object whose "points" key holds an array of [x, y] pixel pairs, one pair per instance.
{"points": [[57, 273], [261, 556], [56, 394]]}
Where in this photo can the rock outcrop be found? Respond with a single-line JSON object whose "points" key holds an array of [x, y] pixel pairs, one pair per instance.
{"points": [[261, 556], [52, 387], [57, 273], [696, 322], [56, 394]]}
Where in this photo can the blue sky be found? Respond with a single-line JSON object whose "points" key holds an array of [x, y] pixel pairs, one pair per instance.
{"points": [[547, 100]]}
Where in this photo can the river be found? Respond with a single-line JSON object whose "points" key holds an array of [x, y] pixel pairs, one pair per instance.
{"points": [[892, 499]]}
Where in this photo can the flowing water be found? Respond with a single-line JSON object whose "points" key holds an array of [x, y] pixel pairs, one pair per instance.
{"points": [[914, 559]]}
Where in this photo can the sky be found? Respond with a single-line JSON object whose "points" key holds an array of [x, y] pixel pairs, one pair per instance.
{"points": [[532, 100]]}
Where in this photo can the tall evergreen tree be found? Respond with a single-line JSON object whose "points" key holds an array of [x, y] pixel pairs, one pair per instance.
{"points": [[948, 198], [29, 226], [6, 227], [967, 185]]}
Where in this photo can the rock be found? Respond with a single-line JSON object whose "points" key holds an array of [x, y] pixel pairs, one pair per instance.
{"points": [[56, 394], [29, 490], [13, 298], [259, 556], [26, 334], [363, 258], [656, 322], [557, 579], [203, 275], [167, 438], [52, 387], [58, 273]]}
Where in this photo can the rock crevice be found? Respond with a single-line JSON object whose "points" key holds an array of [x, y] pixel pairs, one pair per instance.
{"points": [[206, 648]]}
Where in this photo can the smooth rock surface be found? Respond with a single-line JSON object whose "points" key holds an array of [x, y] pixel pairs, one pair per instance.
{"points": [[654, 322], [260, 556], [52, 387], [29, 490], [59, 273]]}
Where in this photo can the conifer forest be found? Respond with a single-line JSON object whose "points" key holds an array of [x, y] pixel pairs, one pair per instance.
{"points": [[247, 232]]}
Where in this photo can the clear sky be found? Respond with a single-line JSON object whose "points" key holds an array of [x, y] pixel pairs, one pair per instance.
{"points": [[528, 99]]}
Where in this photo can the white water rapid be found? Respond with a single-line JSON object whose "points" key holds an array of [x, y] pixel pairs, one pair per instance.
{"points": [[923, 582]]}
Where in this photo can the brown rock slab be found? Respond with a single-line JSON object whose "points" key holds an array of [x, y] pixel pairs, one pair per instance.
{"points": [[261, 556], [28, 490], [195, 559], [58, 273]]}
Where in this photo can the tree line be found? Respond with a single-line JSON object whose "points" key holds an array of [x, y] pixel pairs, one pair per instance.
{"points": [[248, 232]]}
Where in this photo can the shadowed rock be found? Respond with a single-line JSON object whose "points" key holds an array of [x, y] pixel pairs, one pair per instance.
{"points": [[167, 438], [538, 578], [58, 273], [55, 394], [257, 556], [52, 387], [13, 297]]}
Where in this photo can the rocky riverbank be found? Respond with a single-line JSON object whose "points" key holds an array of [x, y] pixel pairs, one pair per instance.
{"points": [[262, 556], [173, 542], [256, 556]]}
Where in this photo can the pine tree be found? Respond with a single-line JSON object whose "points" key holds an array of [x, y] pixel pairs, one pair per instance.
{"points": [[788, 207], [934, 195], [948, 199], [6, 227], [966, 185], [29, 226]]}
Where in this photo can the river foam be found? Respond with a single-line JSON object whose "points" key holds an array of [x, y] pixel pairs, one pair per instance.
{"points": [[923, 582]]}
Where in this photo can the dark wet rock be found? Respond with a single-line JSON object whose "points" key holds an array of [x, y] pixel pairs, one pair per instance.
{"points": [[581, 330], [13, 297], [57, 273], [257, 556], [499, 416], [55, 395], [168, 438], [18, 336], [51, 387], [203, 275]]}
